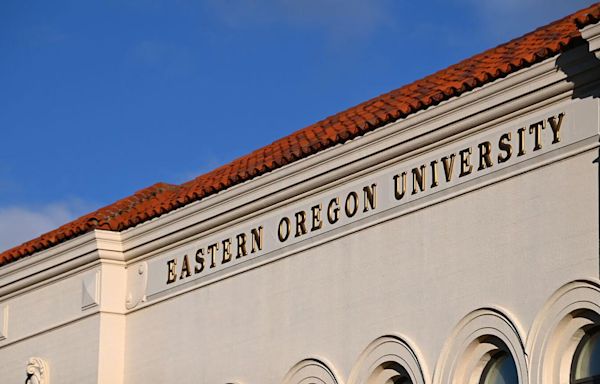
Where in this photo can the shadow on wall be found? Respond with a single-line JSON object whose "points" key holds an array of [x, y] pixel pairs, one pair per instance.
{"points": [[583, 69]]}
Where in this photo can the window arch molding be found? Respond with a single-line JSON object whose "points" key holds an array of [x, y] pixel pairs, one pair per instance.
{"points": [[559, 328], [475, 339], [310, 371], [385, 358]]}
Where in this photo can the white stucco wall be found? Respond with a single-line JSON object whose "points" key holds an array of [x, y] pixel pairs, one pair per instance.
{"points": [[100, 309], [509, 245]]}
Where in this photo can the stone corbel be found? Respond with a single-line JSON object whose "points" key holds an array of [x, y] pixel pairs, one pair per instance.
{"points": [[37, 371], [137, 280]]}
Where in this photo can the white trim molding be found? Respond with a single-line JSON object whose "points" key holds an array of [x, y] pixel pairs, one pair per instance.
{"points": [[310, 371], [386, 359], [3, 321]]}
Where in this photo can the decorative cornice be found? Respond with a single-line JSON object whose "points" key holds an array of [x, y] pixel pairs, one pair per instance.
{"points": [[356, 122], [61, 260], [531, 88], [541, 84], [591, 33]]}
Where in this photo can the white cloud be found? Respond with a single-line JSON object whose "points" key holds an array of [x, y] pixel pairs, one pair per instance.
{"points": [[22, 223], [504, 18], [340, 18]]}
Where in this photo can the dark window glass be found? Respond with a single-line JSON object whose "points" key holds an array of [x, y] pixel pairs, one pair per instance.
{"points": [[586, 362], [501, 369]]}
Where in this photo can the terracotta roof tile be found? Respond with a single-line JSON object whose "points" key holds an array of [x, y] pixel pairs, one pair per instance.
{"points": [[466, 75]]}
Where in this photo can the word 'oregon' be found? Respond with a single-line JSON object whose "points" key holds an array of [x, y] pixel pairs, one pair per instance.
{"points": [[315, 218]]}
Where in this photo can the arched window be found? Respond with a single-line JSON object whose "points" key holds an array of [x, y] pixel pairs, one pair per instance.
{"points": [[387, 360], [390, 373], [500, 369], [564, 339], [310, 371], [585, 368], [485, 348]]}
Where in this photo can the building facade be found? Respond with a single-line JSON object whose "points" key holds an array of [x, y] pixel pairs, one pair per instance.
{"points": [[446, 232]]}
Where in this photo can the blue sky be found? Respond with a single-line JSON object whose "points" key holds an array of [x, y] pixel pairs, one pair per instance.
{"points": [[99, 99]]}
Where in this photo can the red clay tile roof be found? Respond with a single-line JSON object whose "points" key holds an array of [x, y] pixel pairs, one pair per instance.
{"points": [[471, 73]]}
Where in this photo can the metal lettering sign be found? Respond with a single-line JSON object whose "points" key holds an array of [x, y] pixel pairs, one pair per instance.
{"points": [[489, 151]]}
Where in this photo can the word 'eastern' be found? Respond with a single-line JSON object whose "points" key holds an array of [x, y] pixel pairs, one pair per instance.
{"points": [[216, 253]]}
